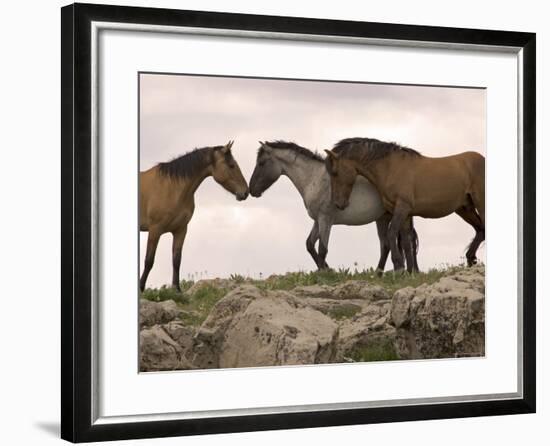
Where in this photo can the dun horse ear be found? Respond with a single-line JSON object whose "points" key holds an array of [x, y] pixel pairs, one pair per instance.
{"points": [[331, 154], [227, 147]]}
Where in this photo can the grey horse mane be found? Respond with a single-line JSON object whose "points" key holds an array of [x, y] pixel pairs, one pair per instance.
{"points": [[294, 147]]}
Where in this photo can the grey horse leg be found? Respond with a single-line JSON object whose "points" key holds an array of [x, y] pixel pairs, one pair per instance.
{"points": [[324, 235], [310, 244]]}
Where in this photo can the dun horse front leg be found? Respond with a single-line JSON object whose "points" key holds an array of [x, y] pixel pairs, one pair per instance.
{"points": [[152, 242], [177, 244], [382, 226], [400, 214]]}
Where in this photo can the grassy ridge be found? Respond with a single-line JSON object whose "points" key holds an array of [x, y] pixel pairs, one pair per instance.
{"points": [[197, 304], [390, 281]]}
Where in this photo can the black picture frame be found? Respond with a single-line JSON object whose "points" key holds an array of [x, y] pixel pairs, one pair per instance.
{"points": [[76, 219]]}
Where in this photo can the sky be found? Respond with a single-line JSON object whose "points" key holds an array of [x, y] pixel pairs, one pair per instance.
{"points": [[263, 236]]}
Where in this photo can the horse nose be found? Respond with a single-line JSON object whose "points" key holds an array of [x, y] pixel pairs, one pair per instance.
{"points": [[242, 196]]}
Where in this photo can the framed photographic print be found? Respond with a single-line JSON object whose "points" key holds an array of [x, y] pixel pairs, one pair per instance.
{"points": [[279, 222]]}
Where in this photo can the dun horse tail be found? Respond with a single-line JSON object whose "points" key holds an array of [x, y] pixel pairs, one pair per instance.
{"points": [[414, 241]]}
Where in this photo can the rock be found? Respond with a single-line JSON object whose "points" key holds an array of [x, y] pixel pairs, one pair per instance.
{"points": [[158, 351], [362, 330], [153, 313], [250, 327], [445, 319], [274, 331], [352, 289], [209, 338]]}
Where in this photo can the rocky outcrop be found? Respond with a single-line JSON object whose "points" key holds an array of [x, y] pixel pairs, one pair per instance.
{"points": [[442, 320], [153, 313], [353, 321]]}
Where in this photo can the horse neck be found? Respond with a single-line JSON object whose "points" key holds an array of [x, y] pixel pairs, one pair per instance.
{"points": [[373, 170], [301, 170], [189, 185]]}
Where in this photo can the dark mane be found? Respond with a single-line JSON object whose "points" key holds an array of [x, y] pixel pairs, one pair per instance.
{"points": [[369, 149], [186, 165], [295, 147]]}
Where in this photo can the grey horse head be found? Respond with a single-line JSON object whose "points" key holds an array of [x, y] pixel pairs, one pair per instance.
{"points": [[267, 170]]}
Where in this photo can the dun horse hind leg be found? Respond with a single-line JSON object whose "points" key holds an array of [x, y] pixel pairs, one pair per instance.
{"points": [[177, 244], [407, 246], [152, 242], [470, 216], [400, 215]]}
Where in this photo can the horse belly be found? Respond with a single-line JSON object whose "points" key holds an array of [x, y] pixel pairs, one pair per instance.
{"points": [[365, 206], [438, 208]]}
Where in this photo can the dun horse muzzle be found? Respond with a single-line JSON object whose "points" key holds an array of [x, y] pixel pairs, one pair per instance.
{"points": [[242, 195]]}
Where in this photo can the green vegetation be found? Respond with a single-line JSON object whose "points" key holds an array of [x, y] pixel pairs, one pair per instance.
{"points": [[198, 305], [390, 280], [381, 350], [166, 293]]}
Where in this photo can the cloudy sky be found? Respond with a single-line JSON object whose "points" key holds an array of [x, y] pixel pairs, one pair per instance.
{"points": [[266, 235]]}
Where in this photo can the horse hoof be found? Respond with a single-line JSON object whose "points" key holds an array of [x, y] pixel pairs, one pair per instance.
{"points": [[379, 272]]}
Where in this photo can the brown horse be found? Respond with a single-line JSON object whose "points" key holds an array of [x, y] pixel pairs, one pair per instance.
{"points": [[411, 184], [166, 193]]}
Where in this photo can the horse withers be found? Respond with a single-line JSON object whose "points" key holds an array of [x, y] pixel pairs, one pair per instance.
{"points": [[306, 170], [411, 184], [166, 193]]}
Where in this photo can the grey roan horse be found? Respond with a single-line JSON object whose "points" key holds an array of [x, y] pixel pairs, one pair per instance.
{"points": [[306, 170]]}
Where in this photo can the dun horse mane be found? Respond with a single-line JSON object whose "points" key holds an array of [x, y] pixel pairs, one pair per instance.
{"points": [[186, 165], [368, 149], [295, 147]]}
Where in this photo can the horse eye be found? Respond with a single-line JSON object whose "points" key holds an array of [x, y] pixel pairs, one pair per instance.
{"points": [[261, 163]]}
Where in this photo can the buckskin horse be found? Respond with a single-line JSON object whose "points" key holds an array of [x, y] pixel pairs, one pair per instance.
{"points": [[411, 184], [306, 170], [166, 193]]}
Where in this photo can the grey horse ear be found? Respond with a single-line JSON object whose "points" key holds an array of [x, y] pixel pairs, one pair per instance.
{"points": [[265, 146], [331, 154]]}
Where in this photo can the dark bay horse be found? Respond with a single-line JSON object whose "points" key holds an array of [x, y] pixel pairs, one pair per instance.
{"points": [[411, 184], [166, 193], [306, 170]]}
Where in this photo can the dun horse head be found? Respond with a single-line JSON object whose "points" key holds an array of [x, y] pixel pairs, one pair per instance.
{"points": [[266, 172], [227, 172], [342, 178]]}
